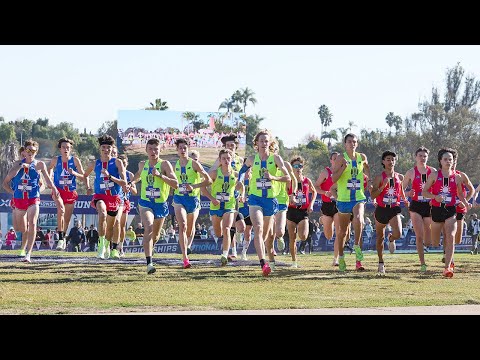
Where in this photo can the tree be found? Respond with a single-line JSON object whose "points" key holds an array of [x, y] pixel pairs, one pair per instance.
{"points": [[108, 128], [159, 105], [332, 134], [394, 120], [246, 96], [325, 117], [227, 104], [192, 119]]}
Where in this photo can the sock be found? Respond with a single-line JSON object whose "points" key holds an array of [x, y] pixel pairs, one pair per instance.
{"points": [[149, 259], [262, 262], [225, 253], [234, 251], [114, 246]]}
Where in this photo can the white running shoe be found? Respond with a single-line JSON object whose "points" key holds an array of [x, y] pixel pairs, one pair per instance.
{"points": [[392, 246], [381, 269], [151, 268]]}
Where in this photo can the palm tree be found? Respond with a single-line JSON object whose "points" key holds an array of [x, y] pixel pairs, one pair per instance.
{"points": [[325, 117], [227, 104], [332, 134], [159, 105], [246, 96]]}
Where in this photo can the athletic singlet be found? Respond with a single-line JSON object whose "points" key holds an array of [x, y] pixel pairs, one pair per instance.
{"points": [[326, 185], [102, 185], [187, 175], [418, 184], [351, 182], [282, 196], [390, 195], [25, 183], [302, 199], [446, 187], [259, 185], [223, 190], [61, 177], [153, 187]]}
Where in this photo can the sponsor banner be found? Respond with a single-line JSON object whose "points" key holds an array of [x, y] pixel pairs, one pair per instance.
{"points": [[82, 205], [210, 246]]}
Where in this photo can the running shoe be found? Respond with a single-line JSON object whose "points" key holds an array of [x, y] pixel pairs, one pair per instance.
{"points": [[423, 268], [151, 268], [244, 255], [359, 266], [391, 245], [381, 269], [448, 272], [60, 245], [186, 264], [342, 266], [223, 261], [281, 244], [358, 252], [23, 253], [266, 269], [114, 254], [189, 251]]}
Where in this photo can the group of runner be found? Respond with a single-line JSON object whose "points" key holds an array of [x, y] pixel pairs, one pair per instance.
{"points": [[439, 202], [262, 192]]}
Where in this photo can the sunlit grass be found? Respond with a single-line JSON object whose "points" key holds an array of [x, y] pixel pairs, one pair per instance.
{"points": [[67, 288]]}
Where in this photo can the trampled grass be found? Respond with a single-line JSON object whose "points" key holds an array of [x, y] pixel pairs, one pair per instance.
{"points": [[91, 287]]}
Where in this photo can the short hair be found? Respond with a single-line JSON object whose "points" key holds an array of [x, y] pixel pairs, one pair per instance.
{"points": [[153, 141], [443, 151], [420, 149], [349, 135], [334, 153], [66, 140], [30, 142], [230, 137], [225, 151], [106, 140], [182, 141], [387, 153], [298, 158]]}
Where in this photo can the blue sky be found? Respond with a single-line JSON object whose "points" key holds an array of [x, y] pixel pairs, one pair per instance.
{"points": [[88, 85]]}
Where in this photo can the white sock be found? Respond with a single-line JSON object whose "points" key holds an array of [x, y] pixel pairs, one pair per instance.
{"points": [[225, 253], [234, 251]]}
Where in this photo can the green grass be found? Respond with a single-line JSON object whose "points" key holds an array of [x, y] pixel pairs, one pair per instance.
{"points": [[72, 288]]}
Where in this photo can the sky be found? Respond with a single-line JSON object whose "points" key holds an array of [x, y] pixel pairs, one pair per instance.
{"points": [[88, 85]]}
